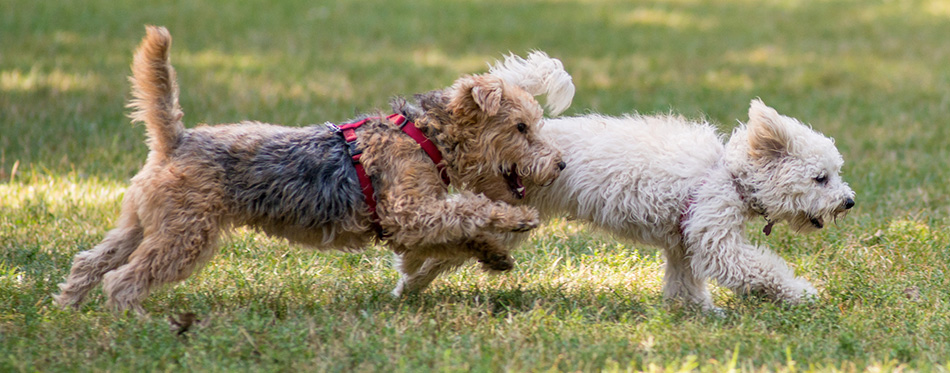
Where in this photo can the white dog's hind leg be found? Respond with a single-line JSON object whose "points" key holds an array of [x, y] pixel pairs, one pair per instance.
{"points": [[680, 283]]}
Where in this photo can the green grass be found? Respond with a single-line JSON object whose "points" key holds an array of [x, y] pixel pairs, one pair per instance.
{"points": [[872, 74]]}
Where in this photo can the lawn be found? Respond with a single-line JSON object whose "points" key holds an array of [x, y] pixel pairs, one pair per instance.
{"points": [[873, 74]]}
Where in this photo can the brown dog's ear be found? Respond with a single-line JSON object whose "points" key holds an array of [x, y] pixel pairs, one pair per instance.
{"points": [[487, 92], [768, 135], [476, 95]]}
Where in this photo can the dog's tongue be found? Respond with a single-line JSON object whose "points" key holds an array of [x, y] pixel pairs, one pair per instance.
{"points": [[519, 186], [514, 183]]}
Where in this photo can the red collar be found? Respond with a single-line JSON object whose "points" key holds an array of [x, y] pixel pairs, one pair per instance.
{"points": [[349, 134]]}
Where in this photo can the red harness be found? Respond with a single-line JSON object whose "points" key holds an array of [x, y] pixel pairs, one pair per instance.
{"points": [[349, 134]]}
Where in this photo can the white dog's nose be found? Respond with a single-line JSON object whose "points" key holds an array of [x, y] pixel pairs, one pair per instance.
{"points": [[848, 203]]}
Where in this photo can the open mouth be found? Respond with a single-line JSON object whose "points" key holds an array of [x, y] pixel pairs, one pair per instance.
{"points": [[818, 222], [839, 214], [514, 181]]}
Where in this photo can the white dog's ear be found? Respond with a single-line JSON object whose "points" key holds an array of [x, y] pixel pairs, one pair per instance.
{"points": [[539, 75], [768, 134]]}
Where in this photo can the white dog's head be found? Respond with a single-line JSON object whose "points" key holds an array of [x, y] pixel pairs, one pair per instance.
{"points": [[787, 171]]}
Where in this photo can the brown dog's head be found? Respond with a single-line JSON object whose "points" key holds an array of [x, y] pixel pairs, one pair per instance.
{"points": [[487, 130]]}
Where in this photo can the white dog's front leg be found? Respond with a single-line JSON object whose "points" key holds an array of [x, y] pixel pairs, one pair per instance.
{"points": [[745, 268]]}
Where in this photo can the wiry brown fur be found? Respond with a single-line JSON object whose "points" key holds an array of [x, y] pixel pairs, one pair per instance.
{"points": [[198, 183], [481, 149]]}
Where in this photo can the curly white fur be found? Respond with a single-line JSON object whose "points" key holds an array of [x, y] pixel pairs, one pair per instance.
{"points": [[672, 183], [539, 75]]}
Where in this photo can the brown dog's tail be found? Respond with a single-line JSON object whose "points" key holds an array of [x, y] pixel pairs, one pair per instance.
{"points": [[155, 91]]}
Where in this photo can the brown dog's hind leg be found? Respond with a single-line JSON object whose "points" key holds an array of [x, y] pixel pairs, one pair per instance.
{"points": [[89, 266], [169, 253]]}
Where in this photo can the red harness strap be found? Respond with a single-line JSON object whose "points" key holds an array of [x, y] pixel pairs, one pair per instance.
{"points": [[433, 152], [349, 134]]}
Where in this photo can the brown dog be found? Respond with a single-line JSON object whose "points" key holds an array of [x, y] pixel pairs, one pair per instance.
{"points": [[301, 183]]}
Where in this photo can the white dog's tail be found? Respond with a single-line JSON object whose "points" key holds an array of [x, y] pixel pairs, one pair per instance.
{"points": [[539, 75]]}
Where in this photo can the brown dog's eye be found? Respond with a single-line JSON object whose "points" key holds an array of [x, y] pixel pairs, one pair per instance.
{"points": [[522, 127]]}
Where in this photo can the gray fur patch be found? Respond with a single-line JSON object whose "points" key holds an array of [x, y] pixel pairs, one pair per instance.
{"points": [[301, 177]]}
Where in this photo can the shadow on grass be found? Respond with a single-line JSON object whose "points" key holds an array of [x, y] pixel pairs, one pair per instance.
{"points": [[367, 297]]}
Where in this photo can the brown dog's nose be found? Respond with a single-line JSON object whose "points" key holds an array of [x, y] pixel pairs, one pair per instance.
{"points": [[561, 165], [848, 203]]}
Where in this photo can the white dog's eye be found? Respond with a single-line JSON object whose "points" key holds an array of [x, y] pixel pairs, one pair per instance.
{"points": [[821, 179]]}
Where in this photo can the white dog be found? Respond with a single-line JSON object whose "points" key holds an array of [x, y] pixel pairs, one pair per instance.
{"points": [[668, 182], [672, 183]]}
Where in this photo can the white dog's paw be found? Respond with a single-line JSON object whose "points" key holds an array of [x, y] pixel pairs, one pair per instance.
{"points": [[810, 294], [800, 291], [400, 288], [716, 312]]}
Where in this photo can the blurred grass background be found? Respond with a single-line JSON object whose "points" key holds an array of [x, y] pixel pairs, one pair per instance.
{"points": [[872, 74]]}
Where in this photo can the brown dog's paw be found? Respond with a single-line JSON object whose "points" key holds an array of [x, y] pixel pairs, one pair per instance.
{"points": [[517, 225], [517, 219], [498, 262], [525, 226]]}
